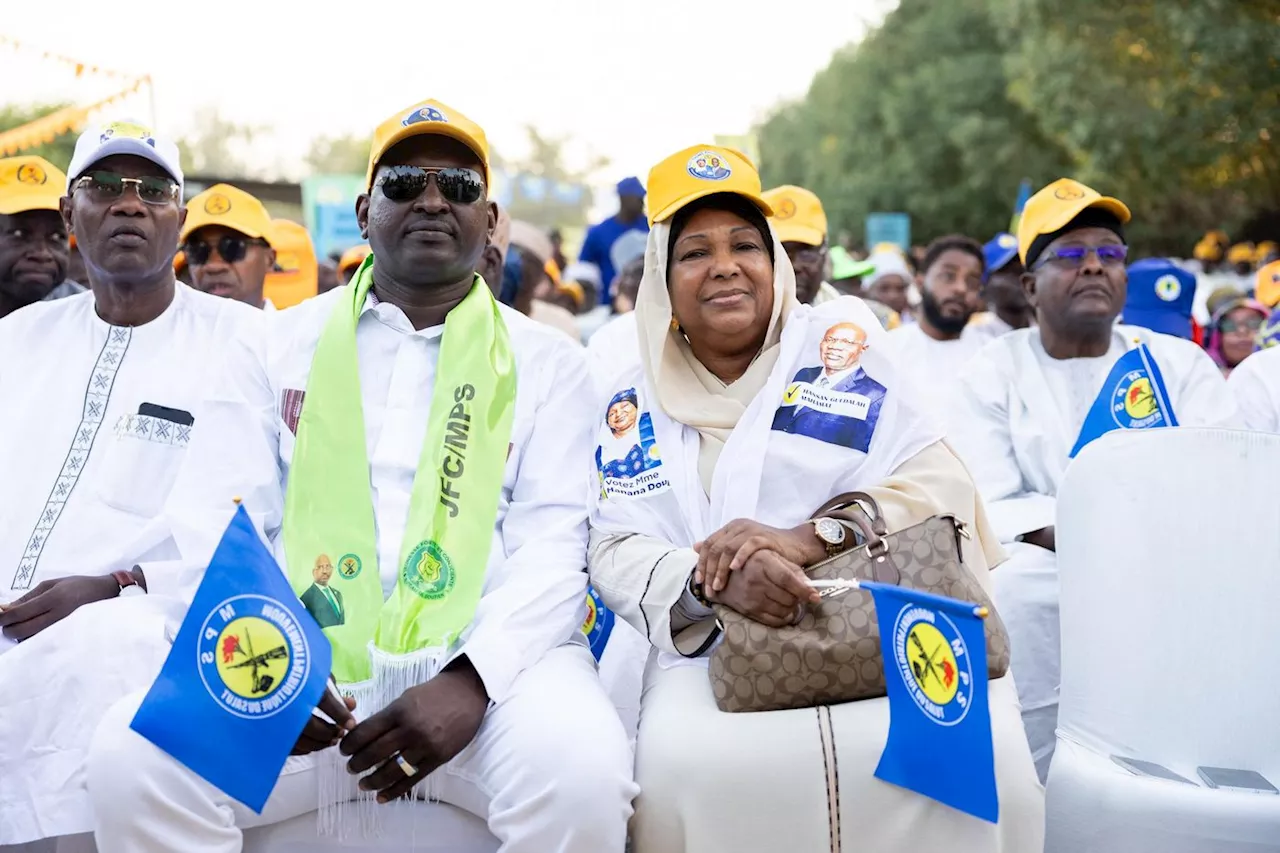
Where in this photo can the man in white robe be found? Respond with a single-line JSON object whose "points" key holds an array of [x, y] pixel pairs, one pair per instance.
{"points": [[105, 391], [516, 727], [934, 349], [1255, 383], [1025, 398]]}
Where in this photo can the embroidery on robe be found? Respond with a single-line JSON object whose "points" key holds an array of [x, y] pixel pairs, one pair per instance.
{"points": [[97, 395]]}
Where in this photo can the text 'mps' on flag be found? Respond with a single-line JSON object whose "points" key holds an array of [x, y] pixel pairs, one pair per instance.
{"points": [[935, 673], [1132, 397], [248, 666]]}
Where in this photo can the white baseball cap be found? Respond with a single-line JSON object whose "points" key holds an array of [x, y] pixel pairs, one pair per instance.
{"points": [[122, 137]]}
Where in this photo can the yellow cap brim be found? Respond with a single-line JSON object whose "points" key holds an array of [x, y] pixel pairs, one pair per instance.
{"points": [[674, 207], [21, 203], [435, 128], [795, 233]]}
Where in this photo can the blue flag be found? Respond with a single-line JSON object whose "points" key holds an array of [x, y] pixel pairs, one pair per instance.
{"points": [[1024, 196], [1133, 397], [599, 623], [247, 668], [935, 671]]}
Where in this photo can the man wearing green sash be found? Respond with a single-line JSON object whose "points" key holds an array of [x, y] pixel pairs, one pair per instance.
{"points": [[422, 445]]}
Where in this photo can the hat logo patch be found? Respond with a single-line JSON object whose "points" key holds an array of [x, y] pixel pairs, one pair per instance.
{"points": [[1168, 287], [1068, 194], [30, 173], [125, 130], [1007, 241], [217, 204], [424, 114], [709, 166], [786, 209]]}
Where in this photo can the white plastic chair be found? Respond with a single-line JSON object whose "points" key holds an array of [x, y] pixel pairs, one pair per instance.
{"points": [[1169, 568]]}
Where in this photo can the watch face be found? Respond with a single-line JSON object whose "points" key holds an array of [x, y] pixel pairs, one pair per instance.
{"points": [[829, 530]]}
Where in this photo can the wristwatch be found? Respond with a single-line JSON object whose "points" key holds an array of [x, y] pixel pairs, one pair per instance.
{"points": [[832, 534], [128, 583]]}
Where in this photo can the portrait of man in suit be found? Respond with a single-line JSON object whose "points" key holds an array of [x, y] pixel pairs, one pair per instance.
{"points": [[836, 402], [321, 600]]}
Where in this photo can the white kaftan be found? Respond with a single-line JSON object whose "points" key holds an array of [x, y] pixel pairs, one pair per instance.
{"points": [[934, 366], [100, 419], [1255, 383], [1020, 416], [526, 625]]}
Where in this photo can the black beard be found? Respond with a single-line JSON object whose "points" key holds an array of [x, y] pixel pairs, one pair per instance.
{"points": [[933, 313]]}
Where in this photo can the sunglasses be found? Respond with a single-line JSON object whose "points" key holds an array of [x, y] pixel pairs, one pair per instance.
{"points": [[109, 186], [1251, 326], [1074, 256], [231, 249], [405, 183]]}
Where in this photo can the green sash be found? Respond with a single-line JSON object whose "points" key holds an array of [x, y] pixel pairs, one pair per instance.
{"points": [[328, 508]]}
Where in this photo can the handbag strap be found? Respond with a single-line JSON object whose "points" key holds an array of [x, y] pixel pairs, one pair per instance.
{"points": [[852, 507]]}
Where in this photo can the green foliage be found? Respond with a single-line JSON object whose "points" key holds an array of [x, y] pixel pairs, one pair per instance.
{"points": [[59, 151], [216, 147], [338, 155], [945, 108]]}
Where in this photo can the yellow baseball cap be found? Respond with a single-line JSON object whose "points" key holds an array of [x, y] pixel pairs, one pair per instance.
{"points": [[1267, 289], [225, 205], [30, 183], [353, 258], [698, 172], [1241, 253], [297, 276], [798, 216], [1057, 204], [428, 117]]}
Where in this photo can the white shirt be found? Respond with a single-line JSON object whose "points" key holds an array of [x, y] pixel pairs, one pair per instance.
{"points": [[934, 366], [1255, 382], [535, 584], [613, 350], [99, 419], [1021, 413]]}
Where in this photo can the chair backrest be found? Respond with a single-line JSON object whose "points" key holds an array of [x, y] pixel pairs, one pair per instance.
{"points": [[1169, 567]]}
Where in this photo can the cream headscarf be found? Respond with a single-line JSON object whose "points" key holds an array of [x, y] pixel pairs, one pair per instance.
{"points": [[688, 392]]}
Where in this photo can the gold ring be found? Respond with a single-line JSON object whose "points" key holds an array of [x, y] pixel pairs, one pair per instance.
{"points": [[405, 766]]}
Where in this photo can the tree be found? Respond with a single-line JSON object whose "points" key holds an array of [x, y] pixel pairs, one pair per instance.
{"points": [[216, 146], [59, 151], [1178, 111], [338, 155], [543, 189], [915, 118]]}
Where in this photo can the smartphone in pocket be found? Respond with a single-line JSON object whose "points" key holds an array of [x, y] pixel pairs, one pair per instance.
{"points": [[164, 413], [1229, 779], [1151, 769]]}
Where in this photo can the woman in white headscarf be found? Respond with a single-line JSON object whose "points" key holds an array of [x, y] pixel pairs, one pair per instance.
{"points": [[726, 451]]}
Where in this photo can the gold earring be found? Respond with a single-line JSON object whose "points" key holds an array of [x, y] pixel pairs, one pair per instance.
{"points": [[675, 324]]}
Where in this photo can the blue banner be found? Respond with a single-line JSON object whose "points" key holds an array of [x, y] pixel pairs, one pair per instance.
{"points": [[599, 623], [247, 668], [935, 672], [1132, 397], [892, 228]]}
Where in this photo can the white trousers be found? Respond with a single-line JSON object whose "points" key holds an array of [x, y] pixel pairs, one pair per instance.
{"points": [[1025, 591], [550, 770]]}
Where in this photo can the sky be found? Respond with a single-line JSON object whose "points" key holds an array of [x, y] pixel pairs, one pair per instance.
{"points": [[633, 83]]}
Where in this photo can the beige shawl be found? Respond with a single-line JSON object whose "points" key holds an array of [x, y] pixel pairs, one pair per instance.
{"points": [[687, 391]]}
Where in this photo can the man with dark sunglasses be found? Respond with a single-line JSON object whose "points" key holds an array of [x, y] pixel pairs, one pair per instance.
{"points": [[34, 253], [226, 244], [429, 438], [105, 392], [1033, 397]]}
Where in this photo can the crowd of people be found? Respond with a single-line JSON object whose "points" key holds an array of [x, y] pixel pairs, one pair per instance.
{"points": [[652, 429]]}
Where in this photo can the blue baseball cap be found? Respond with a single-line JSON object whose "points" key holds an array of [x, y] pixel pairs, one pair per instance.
{"points": [[1002, 249], [1160, 297], [631, 187]]}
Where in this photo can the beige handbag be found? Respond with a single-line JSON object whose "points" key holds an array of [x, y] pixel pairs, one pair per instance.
{"points": [[832, 654]]}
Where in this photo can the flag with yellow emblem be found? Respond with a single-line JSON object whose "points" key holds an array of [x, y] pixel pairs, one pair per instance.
{"points": [[1132, 397]]}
